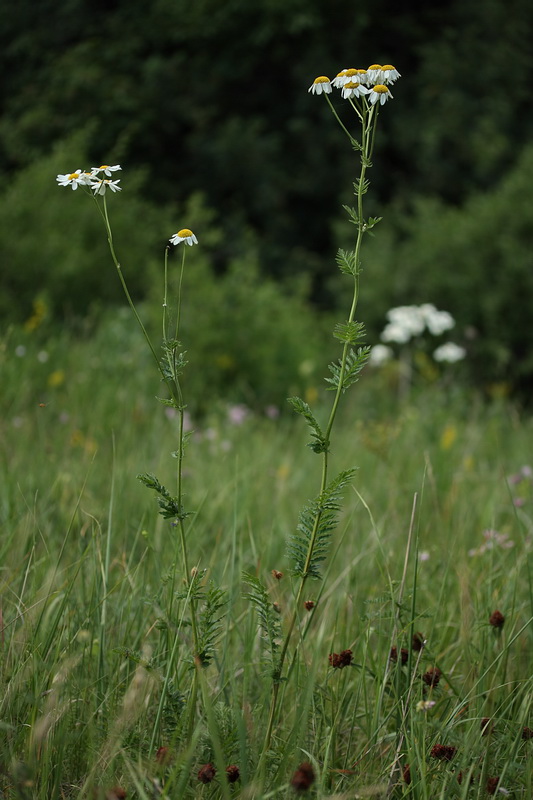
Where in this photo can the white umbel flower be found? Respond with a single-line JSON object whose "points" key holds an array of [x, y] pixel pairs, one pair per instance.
{"points": [[379, 94], [353, 89], [437, 322], [74, 179], [185, 235], [449, 352], [320, 84], [380, 354], [101, 186]]}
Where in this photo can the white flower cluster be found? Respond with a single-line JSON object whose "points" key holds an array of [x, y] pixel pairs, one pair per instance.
{"points": [[94, 179], [408, 322], [372, 83], [405, 322]]}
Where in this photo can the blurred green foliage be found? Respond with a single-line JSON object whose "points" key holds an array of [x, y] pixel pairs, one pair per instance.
{"points": [[210, 100]]}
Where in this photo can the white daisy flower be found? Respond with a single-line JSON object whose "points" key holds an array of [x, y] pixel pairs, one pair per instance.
{"points": [[374, 73], [389, 74], [100, 186], [338, 80], [185, 235], [106, 169], [449, 352], [352, 89], [379, 94], [320, 84], [73, 179], [362, 76]]}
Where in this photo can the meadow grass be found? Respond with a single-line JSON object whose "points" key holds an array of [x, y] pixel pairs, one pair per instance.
{"points": [[95, 645]]}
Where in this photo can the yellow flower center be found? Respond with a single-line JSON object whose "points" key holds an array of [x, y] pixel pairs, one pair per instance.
{"points": [[104, 166], [350, 73], [184, 233], [375, 66], [388, 67], [73, 176], [321, 79], [380, 89], [361, 71], [351, 85], [341, 74]]}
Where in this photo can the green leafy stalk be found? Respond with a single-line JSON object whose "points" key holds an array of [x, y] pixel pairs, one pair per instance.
{"points": [[309, 546]]}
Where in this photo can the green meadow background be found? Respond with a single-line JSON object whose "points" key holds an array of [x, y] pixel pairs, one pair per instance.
{"points": [[205, 106]]}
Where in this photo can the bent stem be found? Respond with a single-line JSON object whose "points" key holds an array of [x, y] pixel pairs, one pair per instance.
{"points": [[368, 130]]}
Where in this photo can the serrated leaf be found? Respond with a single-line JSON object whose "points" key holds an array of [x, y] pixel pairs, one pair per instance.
{"points": [[169, 506], [355, 361], [308, 547], [349, 332], [346, 262], [319, 443]]}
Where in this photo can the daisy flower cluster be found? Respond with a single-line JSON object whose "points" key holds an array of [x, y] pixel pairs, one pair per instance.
{"points": [[372, 83], [99, 179]]}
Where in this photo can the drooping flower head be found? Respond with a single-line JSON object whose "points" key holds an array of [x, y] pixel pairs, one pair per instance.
{"points": [[185, 235], [353, 89], [100, 186], [389, 74], [374, 73], [379, 94], [320, 84]]}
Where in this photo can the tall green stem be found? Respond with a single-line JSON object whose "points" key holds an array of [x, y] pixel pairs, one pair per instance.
{"points": [[368, 130], [174, 388]]}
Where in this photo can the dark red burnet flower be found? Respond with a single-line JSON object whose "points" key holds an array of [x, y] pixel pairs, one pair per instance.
{"points": [[444, 752], [232, 773], [492, 784], [418, 641], [460, 777], [432, 676], [277, 574], [496, 619], [527, 733], [340, 660], [406, 773], [309, 605], [486, 725], [303, 777], [163, 756], [116, 793], [206, 773], [404, 655]]}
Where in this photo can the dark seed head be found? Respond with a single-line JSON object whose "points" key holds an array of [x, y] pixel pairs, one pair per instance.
{"points": [[232, 773], [404, 655], [497, 619], [309, 605], [206, 773], [418, 641], [340, 660], [444, 752], [277, 574], [527, 733], [492, 784], [303, 777], [432, 676], [407, 774], [486, 725]]}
